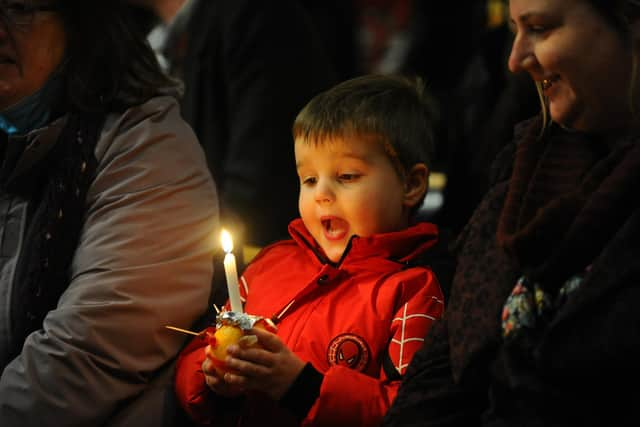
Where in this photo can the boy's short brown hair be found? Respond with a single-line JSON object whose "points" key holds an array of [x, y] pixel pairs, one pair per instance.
{"points": [[397, 109]]}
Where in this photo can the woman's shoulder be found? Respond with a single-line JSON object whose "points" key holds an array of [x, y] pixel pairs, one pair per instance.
{"points": [[159, 111], [156, 124]]}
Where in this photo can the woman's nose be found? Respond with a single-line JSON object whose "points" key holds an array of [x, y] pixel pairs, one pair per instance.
{"points": [[521, 57]]}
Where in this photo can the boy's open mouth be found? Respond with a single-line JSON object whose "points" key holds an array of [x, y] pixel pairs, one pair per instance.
{"points": [[334, 228]]}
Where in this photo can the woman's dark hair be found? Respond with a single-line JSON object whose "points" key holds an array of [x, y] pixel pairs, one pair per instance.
{"points": [[108, 66], [620, 13]]}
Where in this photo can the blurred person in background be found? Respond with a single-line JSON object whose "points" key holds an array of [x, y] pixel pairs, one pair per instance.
{"points": [[479, 101], [247, 68], [480, 110]]}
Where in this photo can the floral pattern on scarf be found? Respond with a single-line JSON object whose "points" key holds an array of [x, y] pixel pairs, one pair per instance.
{"points": [[530, 306]]}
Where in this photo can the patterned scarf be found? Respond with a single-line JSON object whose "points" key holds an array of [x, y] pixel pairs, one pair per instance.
{"points": [[56, 209], [559, 213]]}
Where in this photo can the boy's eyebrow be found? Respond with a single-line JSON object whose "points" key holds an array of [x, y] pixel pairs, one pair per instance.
{"points": [[347, 155]]}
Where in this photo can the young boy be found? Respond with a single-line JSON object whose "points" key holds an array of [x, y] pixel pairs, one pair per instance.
{"points": [[351, 309]]}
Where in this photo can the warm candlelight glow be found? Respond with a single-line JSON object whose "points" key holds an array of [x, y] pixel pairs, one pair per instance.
{"points": [[227, 242]]}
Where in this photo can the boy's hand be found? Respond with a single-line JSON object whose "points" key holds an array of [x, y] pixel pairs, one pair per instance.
{"points": [[214, 381], [270, 369]]}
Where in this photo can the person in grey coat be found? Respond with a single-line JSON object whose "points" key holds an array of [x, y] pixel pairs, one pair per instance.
{"points": [[107, 214]]}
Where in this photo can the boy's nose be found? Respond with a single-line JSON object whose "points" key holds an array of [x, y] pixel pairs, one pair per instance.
{"points": [[323, 193]]}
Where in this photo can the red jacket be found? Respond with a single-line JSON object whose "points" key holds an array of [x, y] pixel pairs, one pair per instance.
{"points": [[348, 320]]}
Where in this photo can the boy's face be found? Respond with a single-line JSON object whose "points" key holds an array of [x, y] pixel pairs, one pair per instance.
{"points": [[348, 186]]}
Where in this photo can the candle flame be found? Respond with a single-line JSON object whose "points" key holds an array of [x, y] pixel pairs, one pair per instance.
{"points": [[227, 242]]}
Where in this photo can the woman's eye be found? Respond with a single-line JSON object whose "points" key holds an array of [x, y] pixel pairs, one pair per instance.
{"points": [[529, 27], [537, 29]]}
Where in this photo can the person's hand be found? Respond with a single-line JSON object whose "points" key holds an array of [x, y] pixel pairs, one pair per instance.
{"points": [[216, 383], [270, 368]]}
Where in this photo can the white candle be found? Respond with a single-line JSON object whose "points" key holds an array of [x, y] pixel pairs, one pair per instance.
{"points": [[231, 272]]}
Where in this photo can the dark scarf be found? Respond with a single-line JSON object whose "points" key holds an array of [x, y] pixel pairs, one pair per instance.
{"points": [[56, 188], [568, 194]]}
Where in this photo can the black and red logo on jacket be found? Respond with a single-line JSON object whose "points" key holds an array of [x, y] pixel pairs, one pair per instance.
{"points": [[349, 350]]}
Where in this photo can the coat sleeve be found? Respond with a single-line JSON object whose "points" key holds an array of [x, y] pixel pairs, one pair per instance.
{"points": [[348, 397], [143, 261], [202, 406], [190, 387]]}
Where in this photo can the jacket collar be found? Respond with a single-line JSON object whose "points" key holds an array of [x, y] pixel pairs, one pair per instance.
{"points": [[400, 246]]}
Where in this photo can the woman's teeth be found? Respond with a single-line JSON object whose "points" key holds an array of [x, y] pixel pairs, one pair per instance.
{"points": [[547, 83]]}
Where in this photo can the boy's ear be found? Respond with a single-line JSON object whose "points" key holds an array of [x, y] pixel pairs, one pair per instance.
{"points": [[416, 185]]}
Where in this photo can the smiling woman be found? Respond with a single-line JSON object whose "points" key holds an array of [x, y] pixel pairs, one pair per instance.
{"points": [[107, 210], [581, 66]]}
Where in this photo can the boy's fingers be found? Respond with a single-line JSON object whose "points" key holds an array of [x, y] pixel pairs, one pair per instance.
{"points": [[236, 380], [252, 363], [208, 351], [247, 341], [212, 381], [267, 340], [255, 356], [206, 366]]}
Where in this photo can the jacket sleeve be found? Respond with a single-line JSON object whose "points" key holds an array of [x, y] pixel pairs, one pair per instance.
{"points": [[202, 406], [190, 387], [348, 397], [144, 260]]}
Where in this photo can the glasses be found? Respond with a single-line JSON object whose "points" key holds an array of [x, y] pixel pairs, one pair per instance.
{"points": [[21, 13]]}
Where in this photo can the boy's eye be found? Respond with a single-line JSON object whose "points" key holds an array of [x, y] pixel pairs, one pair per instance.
{"points": [[309, 180], [348, 177]]}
